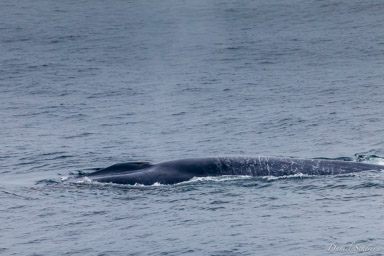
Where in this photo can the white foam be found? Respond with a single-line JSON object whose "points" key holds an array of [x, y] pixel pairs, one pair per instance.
{"points": [[84, 180], [378, 161], [217, 178], [297, 175]]}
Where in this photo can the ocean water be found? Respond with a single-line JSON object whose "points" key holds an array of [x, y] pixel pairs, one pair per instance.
{"points": [[87, 84]]}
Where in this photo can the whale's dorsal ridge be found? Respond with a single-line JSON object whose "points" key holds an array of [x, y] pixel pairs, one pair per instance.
{"points": [[139, 163]]}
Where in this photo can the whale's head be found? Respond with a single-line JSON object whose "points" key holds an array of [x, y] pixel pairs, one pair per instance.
{"points": [[122, 168]]}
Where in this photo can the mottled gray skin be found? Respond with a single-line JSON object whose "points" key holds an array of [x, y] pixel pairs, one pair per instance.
{"points": [[182, 170]]}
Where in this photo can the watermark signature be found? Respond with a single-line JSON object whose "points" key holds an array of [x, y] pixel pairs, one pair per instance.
{"points": [[350, 247]]}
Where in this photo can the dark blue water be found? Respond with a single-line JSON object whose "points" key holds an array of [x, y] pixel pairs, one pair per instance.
{"points": [[86, 84]]}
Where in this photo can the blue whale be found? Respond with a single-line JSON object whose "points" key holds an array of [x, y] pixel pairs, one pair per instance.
{"points": [[172, 172]]}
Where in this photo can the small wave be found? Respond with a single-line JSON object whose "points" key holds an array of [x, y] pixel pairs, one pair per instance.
{"points": [[87, 181], [342, 158], [47, 182], [369, 184], [372, 159]]}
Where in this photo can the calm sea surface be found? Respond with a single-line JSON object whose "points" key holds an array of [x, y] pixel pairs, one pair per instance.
{"points": [[86, 84]]}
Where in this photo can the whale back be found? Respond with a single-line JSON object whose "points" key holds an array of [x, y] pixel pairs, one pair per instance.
{"points": [[176, 171], [122, 168]]}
